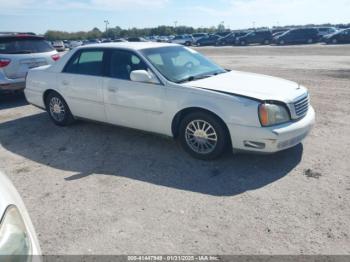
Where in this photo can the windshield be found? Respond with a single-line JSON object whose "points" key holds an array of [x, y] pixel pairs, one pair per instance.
{"points": [[179, 64], [24, 46]]}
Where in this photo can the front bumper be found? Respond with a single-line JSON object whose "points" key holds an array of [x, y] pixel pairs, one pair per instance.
{"points": [[271, 139]]}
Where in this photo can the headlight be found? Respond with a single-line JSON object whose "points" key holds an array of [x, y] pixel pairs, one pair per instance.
{"points": [[272, 114], [14, 238]]}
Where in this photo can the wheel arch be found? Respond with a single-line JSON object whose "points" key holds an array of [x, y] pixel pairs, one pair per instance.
{"points": [[47, 92], [185, 111]]}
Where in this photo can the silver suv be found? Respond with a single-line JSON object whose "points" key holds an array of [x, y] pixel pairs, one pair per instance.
{"points": [[18, 54], [183, 40]]}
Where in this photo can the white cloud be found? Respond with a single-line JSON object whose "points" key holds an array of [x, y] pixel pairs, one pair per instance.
{"points": [[117, 4], [269, 12], [106, 5], [14, 4]]}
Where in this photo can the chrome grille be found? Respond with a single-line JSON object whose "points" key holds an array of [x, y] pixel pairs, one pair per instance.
{"points": [[301, 106]]}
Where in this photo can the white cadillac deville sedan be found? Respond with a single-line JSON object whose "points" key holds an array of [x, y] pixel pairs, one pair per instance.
{"points": [[175, 91], [18, 241]]}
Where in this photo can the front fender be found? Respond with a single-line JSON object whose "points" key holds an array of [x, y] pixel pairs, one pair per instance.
{"points": [[230, 108]]}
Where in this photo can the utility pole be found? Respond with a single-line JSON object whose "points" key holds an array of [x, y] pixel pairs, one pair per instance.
{"points": [[222, 26], [107, 23], [175, 23]]}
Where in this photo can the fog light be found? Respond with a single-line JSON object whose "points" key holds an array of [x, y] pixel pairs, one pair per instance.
{"points": [[252, 144]]}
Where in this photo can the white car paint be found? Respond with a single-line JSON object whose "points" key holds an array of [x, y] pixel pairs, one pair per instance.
{"points": [[10, 197], [234, 97]]}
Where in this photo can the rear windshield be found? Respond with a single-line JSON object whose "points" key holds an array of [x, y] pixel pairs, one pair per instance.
{"points": [[12, 45]]}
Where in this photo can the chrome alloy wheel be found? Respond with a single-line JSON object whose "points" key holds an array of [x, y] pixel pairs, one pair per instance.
{"points": [[201, 136], [57, 109]]}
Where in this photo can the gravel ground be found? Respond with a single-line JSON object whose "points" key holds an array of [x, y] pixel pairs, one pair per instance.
{"points": [[99, 189]]}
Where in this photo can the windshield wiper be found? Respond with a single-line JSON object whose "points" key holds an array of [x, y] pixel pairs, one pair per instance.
{"points": [[192, 78]]}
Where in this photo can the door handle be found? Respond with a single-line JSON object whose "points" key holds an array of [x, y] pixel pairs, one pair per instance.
{"points": [[65, 83], [112, 89]]}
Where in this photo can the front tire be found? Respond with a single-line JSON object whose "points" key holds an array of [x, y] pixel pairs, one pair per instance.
{"points": [[58, 109], [203, 136]]}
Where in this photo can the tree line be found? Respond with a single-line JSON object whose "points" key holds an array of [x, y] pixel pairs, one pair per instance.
{"points": [[118, 32]]}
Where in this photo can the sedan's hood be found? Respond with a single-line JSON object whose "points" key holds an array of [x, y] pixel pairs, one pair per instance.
{"points": [[261, 87]]}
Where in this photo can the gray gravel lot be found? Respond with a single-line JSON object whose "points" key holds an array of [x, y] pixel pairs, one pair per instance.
{"points": [[99, 189]]}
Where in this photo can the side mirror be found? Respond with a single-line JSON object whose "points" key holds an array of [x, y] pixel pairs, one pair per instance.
{"points": [[143, 76]]}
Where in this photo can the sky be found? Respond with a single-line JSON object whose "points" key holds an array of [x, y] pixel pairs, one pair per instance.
{"points": [[75, 15]]}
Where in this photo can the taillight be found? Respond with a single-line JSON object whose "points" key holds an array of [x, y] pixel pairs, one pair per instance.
{"points": [[55, 57], [4, 62]]}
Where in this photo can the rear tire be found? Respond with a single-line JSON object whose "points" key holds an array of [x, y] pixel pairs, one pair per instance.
{"points": [[243, 43], [266, 42], [203, 135], [58, 109], [334, 41]]}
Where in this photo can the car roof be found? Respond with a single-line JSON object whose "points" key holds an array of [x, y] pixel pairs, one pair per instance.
{"points": [[129, 45]]}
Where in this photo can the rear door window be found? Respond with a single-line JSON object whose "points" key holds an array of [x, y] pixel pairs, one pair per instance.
{"points": [[23, 45], [87, 62]]}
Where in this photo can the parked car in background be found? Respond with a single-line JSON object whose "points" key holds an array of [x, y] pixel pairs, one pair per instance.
{"points": [[340, 37], [151, 38], [136, 39], [18, 54], [322, 31], [207, 40], [66, 43], [298, 36], [18, 240], [198, 36], [58, 45], [175, 91], [74, 44], [230, 39], [91, 41], [183, 40], [255, 37], [163, 39], [222, 34], [119, 40], [276, 34], [279, 30]]}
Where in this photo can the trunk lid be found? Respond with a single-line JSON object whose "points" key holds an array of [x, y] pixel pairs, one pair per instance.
{"points": [[21, 64]]}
